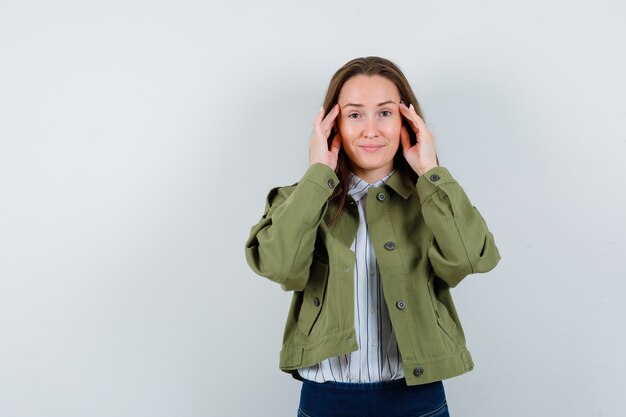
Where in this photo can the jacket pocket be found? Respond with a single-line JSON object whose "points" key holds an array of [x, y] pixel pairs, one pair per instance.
{"points": [[444, 321], [313, 297]]}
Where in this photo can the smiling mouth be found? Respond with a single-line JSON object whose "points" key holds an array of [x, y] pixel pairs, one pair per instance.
{"points": [[371, 148]]}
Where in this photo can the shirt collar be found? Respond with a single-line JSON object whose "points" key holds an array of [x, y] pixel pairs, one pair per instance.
{"points": [[358, 187]]}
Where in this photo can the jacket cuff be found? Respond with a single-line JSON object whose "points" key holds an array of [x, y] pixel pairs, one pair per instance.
{"points": [[323, 177], [429, 182]]}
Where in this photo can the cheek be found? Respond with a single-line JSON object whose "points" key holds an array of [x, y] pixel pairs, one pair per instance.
{"points": [[347, 131], [392, 130]]}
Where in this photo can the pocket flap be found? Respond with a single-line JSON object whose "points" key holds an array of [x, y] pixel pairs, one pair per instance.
{"points": [[313, 298]]}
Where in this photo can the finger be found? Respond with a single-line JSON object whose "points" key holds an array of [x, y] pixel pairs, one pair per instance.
{"points": [[318, 119], [423, 131], [410, 116], [330, 118], [405, 139], [421, 124], [320, 115]]}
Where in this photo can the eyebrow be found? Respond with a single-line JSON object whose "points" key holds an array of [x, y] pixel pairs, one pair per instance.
{"points": [[379, 104]]}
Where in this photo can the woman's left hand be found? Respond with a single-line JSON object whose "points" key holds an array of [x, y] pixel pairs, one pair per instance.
{"points": [[422, 156]]}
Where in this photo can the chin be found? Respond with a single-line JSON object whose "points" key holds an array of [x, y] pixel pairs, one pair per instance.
{"points": [[371, 165]]}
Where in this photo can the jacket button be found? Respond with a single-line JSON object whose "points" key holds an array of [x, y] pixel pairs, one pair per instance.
{"points": [[419, 371], [400, 304], [331, 183], [381, 196], [316, 302], [390, 246], [435, 177]]}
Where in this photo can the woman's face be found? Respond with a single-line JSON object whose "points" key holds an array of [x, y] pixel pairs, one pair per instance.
{"points": [[370, 122]]}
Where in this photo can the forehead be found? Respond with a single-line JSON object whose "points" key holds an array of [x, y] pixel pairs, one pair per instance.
{"points": [[364, 89]]}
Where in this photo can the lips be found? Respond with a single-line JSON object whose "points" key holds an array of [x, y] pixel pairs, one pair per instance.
{"points": [[370, 148]]}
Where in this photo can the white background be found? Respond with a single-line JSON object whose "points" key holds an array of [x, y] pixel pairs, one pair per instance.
{"points": [[138, 140]]}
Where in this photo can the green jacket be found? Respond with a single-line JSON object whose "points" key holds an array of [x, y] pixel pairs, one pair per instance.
{"points": [[427, 238]]}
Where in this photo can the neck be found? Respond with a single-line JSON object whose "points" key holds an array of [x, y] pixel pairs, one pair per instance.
{"points": [[372, 175]]}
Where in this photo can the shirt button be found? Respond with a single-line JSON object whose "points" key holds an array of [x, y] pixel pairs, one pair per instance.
{"points": [[435, 177], [400, 304], [331, 183], [346, 269], [419, 371], [390, 246], [316, 301], [381, 196]]}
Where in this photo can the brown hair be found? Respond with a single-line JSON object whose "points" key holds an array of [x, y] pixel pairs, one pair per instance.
{"points": [[371, 65]]}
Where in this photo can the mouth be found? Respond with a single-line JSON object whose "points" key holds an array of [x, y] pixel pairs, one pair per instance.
{"points": [[370, 148]]}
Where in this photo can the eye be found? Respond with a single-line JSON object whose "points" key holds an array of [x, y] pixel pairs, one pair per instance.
{"points": [[353, 116], [385, 113]]}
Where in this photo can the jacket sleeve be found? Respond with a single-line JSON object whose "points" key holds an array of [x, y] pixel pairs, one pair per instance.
{"points": [[462, 244], [281, 244]]}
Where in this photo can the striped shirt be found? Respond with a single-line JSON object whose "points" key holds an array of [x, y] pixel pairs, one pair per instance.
{"points": [[378, 358]]}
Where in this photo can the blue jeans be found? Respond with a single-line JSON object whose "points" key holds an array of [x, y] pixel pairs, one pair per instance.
{"points": [[377, 399]]}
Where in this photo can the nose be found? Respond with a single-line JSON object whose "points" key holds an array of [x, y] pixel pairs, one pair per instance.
{"points": [[370, 128]]}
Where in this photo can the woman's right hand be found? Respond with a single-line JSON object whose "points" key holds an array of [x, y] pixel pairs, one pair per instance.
{"points": [[318, 146]]}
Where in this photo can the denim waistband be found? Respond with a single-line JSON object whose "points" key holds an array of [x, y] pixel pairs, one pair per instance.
{"points": [[359, 386], [375, 399]]}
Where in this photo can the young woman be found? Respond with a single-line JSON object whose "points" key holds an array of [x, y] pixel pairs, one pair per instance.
{"points": [[370, 241]]}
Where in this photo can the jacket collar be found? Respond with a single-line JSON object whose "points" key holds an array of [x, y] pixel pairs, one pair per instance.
{"points": [[397, 183], [357, 187]]}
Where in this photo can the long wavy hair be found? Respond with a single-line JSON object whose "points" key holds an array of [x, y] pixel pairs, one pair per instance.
{"points": [[371, 65]]}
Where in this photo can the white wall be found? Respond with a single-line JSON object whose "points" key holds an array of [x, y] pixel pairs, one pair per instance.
{"points": [[138, 140]]}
